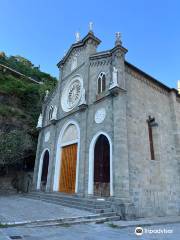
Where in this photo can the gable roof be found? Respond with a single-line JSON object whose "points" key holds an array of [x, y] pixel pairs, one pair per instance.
{"points": [[81, 43]]}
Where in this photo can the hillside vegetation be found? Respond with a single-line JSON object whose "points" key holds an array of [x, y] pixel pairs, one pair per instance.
{"points": [[20, 106]]}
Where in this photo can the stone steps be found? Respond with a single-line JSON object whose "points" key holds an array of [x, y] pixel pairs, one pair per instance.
{"points": [[87, 204], [79, 221], [71, 198], [73, 201], [95, 218]]}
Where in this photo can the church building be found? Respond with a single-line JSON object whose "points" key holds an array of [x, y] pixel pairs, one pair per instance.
{"points": [[111, 131]]}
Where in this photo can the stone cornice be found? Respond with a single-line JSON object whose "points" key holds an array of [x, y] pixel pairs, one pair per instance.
{"points": [[89, 36], [100, 55], [150, 81], [100, 62]]}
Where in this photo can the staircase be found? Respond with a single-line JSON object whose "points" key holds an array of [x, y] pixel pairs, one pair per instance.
{"points": [[101, 208]]}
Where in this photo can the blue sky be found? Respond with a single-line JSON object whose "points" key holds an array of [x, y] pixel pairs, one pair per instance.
{"points": [[42, 30]]}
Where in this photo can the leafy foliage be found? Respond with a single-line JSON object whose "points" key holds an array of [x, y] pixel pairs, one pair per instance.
{"points": [[21, 107], [14, 145]]}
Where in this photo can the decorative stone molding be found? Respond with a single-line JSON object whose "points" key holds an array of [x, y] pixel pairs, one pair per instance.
{"points": [[82, 107], [47, 136], [100, 115], [39, 124], [96, 63], [118, 54], [73, 50], [72, 93], [114, 91], [73, 72]]}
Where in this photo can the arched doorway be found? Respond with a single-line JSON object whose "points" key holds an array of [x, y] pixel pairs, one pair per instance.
{"points": [[102, 166], [67, 159], [43, 170], [100, 180]]}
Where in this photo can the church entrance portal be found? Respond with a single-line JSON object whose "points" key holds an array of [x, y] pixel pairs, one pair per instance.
{"points": [[67, 159], [102, 167], [68, 169]]}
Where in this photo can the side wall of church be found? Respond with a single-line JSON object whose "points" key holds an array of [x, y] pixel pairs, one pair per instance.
{"points": [[154, 184]]}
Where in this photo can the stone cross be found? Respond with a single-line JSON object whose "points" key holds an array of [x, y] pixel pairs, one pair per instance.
{"points": [[118, 38]]}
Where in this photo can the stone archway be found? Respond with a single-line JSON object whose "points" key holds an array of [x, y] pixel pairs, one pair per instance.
{"points": [[67, 159], [102, 167], [43, 170], [100, 174]]}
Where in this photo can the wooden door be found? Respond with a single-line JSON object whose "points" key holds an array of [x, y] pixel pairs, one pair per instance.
{"points": [[68, 169], [102, 167]]}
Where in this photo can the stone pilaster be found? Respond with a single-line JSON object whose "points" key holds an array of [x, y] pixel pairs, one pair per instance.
{"points": [[120, 147], [36, 166], [175, 113]]}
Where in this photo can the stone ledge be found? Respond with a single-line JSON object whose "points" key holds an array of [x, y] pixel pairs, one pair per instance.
{"points": [[148, 221]]}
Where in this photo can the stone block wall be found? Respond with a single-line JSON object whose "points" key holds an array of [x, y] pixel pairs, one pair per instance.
{"points": [[154, 184]]}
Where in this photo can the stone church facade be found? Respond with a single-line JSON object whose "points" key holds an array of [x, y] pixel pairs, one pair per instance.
{"points": [[109, 130]]}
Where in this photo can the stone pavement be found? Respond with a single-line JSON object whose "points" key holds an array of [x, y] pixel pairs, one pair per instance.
{"points": [[148, 221], [15, 208], [89, 232]]}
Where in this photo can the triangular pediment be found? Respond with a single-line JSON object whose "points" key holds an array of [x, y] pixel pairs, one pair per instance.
{"points": [[89, 37]]}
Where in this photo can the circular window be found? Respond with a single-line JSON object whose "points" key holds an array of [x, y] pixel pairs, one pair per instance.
{"points": [[71, 94]]}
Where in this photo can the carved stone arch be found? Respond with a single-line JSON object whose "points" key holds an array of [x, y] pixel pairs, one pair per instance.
{"points": [[68, 146], [43, 169], [101, 82], [91, 163]]}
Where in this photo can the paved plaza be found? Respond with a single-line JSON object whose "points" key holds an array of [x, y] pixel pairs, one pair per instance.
{"points": [[18, 209], [88, 232]]}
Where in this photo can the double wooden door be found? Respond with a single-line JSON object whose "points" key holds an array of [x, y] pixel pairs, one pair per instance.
{"points": [[67, 179]]}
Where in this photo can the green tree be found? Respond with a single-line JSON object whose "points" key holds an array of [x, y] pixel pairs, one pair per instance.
{"points": [[14, 146]]}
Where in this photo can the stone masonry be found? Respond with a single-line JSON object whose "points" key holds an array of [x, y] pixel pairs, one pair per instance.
{"points": [[144, 187]]}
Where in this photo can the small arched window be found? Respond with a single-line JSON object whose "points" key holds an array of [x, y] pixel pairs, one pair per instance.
{"points": [[101, 83], [51, 112]]}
